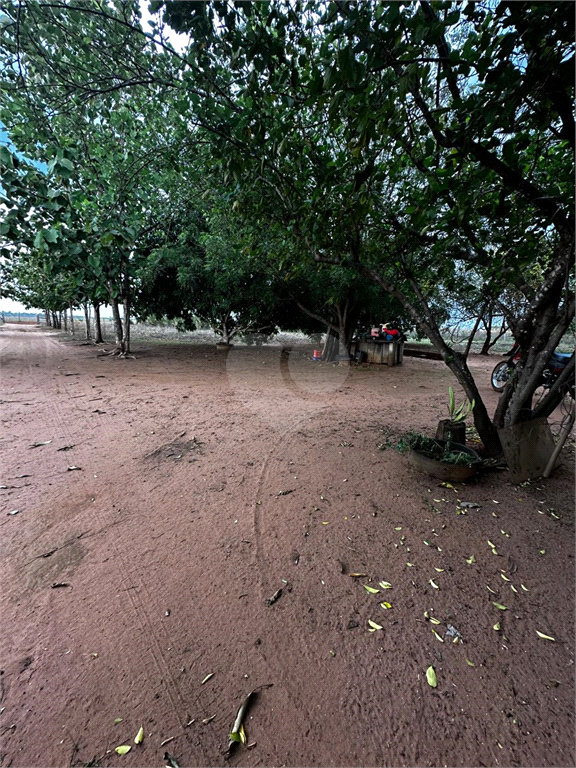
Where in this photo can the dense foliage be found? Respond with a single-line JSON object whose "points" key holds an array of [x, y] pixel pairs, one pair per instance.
{"points": [[317, 155]]}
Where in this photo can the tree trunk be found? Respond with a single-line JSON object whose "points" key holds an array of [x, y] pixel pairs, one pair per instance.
{"points": [[126, 325], [65, 316], [482, 421], [347, 317], [87, 320], [71, 321], [455, 360], [47, 316], [224, 327], [97, 325], [126, 294], [489, 343], [474, 331], [54, 320], [118, 333], [330, 346]]}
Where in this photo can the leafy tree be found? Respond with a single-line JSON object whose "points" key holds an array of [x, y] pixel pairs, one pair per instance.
{"points": [[409, 143], [422, 121]]}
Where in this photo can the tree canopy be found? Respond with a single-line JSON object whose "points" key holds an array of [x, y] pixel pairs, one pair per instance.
{"points": [[418, 150]]}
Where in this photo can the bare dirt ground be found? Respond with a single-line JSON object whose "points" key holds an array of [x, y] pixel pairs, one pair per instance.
{"points": [[177, 492]]}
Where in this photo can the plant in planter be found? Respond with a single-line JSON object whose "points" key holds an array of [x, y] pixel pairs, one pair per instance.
{"points": [[444, 459], [454, 428]]}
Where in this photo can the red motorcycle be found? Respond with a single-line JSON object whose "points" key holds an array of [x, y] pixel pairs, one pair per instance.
{"points": [[553, 369]]}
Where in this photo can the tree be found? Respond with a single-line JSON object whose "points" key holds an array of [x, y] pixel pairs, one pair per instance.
{"points": [[478, 160], [94, 142], [408, 143]]}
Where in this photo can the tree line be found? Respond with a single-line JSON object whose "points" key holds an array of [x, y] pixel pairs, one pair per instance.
{"points": [[307, 165]]}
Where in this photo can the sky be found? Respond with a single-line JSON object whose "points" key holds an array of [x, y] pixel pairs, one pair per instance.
{"points": [[7, 305]]}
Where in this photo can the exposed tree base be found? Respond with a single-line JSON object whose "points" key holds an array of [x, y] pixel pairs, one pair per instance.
{"points": [[116, 353]]}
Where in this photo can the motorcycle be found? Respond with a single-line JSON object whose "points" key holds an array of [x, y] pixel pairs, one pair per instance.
{"points": [[553, 369]]}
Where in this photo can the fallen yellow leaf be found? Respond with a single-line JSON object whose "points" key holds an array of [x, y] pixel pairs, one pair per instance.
{"points": [[374, 627]]}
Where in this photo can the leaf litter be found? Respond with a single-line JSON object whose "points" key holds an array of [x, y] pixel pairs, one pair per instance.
{"points": [[237, 734]]}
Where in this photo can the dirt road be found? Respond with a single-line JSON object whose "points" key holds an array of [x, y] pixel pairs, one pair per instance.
{"points": [[170, 497]]}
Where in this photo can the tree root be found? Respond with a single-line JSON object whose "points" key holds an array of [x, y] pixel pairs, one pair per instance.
{"points": [[116, 353]]}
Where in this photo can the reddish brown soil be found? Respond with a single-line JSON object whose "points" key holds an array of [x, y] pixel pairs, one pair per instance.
{"points": [[207, 483]]}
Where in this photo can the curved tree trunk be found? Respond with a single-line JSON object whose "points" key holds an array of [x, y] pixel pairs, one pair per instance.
{"points": [[490, 340], [456, 361], [473, 334]]}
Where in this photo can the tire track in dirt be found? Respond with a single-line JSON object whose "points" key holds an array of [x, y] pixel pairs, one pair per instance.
{"points": [[132, 584], [311, 735], [62, 406]]}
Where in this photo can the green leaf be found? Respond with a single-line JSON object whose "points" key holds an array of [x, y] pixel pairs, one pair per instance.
{"points": [[330, 76], [6, 157], [470, 663], [431, 677], [385, 585], [499, 606], [374, 626], [371, 590], [123, 749], [139, 738], [50, 235]]}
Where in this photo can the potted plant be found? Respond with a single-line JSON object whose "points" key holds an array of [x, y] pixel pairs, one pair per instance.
{"points": [[454, 428], [444, 459]]}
